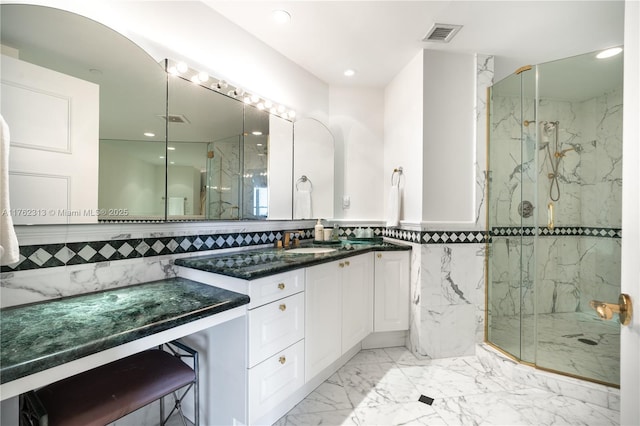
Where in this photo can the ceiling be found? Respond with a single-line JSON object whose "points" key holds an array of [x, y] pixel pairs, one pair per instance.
{"points": [[378, 38]]}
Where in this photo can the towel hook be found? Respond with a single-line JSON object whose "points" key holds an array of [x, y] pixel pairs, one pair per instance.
{"points": [[398, 171], [304, 179]]}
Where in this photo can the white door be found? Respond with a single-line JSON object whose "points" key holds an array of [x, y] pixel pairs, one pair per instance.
{"points": [[53, 161], [630, 335]]}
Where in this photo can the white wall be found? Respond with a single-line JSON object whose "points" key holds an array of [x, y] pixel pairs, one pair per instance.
{"points": [[357, 124], [403, 136], [630, 335], [449, 137]]}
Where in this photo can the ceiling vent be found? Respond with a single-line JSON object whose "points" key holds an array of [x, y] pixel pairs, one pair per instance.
{"points": [[175, 118], [442, 33]]}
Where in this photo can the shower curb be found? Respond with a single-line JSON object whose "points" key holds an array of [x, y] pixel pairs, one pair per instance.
{"points": [[594, 393]]}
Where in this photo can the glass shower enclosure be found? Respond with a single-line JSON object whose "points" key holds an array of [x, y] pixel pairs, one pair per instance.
{"points": [[554, 215]]}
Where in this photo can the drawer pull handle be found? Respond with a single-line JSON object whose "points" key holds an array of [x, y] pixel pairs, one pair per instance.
{"points": [[379, 255], [341, 264], [283, 307], [347, 263], [281, 286], [282, 360]]}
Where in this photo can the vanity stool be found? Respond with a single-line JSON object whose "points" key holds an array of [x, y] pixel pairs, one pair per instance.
{"points": [[104, 394]]}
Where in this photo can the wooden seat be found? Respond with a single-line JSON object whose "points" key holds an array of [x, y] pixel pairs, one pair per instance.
{"points": [[106, 393]]}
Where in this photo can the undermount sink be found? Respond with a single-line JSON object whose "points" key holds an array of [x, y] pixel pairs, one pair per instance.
{"points": [[311, 250]]}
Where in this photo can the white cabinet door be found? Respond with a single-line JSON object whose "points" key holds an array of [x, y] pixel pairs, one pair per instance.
{"points": [[391, 294], [323, 322], [357, 299]]}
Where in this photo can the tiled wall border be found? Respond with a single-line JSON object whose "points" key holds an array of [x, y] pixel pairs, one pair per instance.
{"points": [[61, 254], [576, 231]]}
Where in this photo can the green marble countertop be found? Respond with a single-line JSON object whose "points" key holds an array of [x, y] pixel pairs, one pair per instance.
{"points": [[43, 335], [252, 264]]}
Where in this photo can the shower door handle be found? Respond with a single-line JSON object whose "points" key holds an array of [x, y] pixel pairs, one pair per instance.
{"points": [[550, 219], [606, 310]]}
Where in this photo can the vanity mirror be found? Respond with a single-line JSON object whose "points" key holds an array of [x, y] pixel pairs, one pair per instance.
{"points": [[314, 153], [148, 146]]}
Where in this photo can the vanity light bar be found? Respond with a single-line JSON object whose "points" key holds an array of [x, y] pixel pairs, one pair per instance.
{"points": [[202, 78]]}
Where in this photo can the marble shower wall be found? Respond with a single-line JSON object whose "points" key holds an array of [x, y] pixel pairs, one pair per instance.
{"points": [[452, 296], [580, 260]]}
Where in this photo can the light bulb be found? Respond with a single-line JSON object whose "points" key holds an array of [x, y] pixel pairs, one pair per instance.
{"points": [[203, 76], [182, 67]]}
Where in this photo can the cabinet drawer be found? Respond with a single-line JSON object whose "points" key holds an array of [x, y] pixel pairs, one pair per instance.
{"points": [[274, 327], [274, 380], [267, 289]]}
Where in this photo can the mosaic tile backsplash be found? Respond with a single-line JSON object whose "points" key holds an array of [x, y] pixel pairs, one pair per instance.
{"points": [[54, 255]]}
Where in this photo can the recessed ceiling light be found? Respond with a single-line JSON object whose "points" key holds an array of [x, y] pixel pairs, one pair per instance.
{"points": [[609, 53], [149, 134], [171, 148], [257, 133], [349, 73], [281, 16]]}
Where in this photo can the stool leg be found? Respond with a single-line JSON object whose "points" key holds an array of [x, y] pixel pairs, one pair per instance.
{"points": [[196, 390], [162, 420]]}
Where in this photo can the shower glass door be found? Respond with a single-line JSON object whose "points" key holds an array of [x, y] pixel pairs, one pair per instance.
{"points": [[554, 214], [579, 176], [511, 260], [223, 179]]}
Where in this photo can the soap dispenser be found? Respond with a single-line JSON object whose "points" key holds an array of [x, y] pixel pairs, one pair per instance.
{"points": [[319, 231]]}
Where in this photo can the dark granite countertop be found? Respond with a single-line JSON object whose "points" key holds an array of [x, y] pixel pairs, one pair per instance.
{"points": [[43, 335], [253, 264]]}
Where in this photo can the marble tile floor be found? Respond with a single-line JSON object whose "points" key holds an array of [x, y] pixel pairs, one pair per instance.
{"points": [[577, 343], [384, 387]]}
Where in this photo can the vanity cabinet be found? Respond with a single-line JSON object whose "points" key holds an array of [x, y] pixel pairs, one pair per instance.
{"points": [[391, 291], [339, 310], [275, 325], [300, 327], [272, 338]]}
